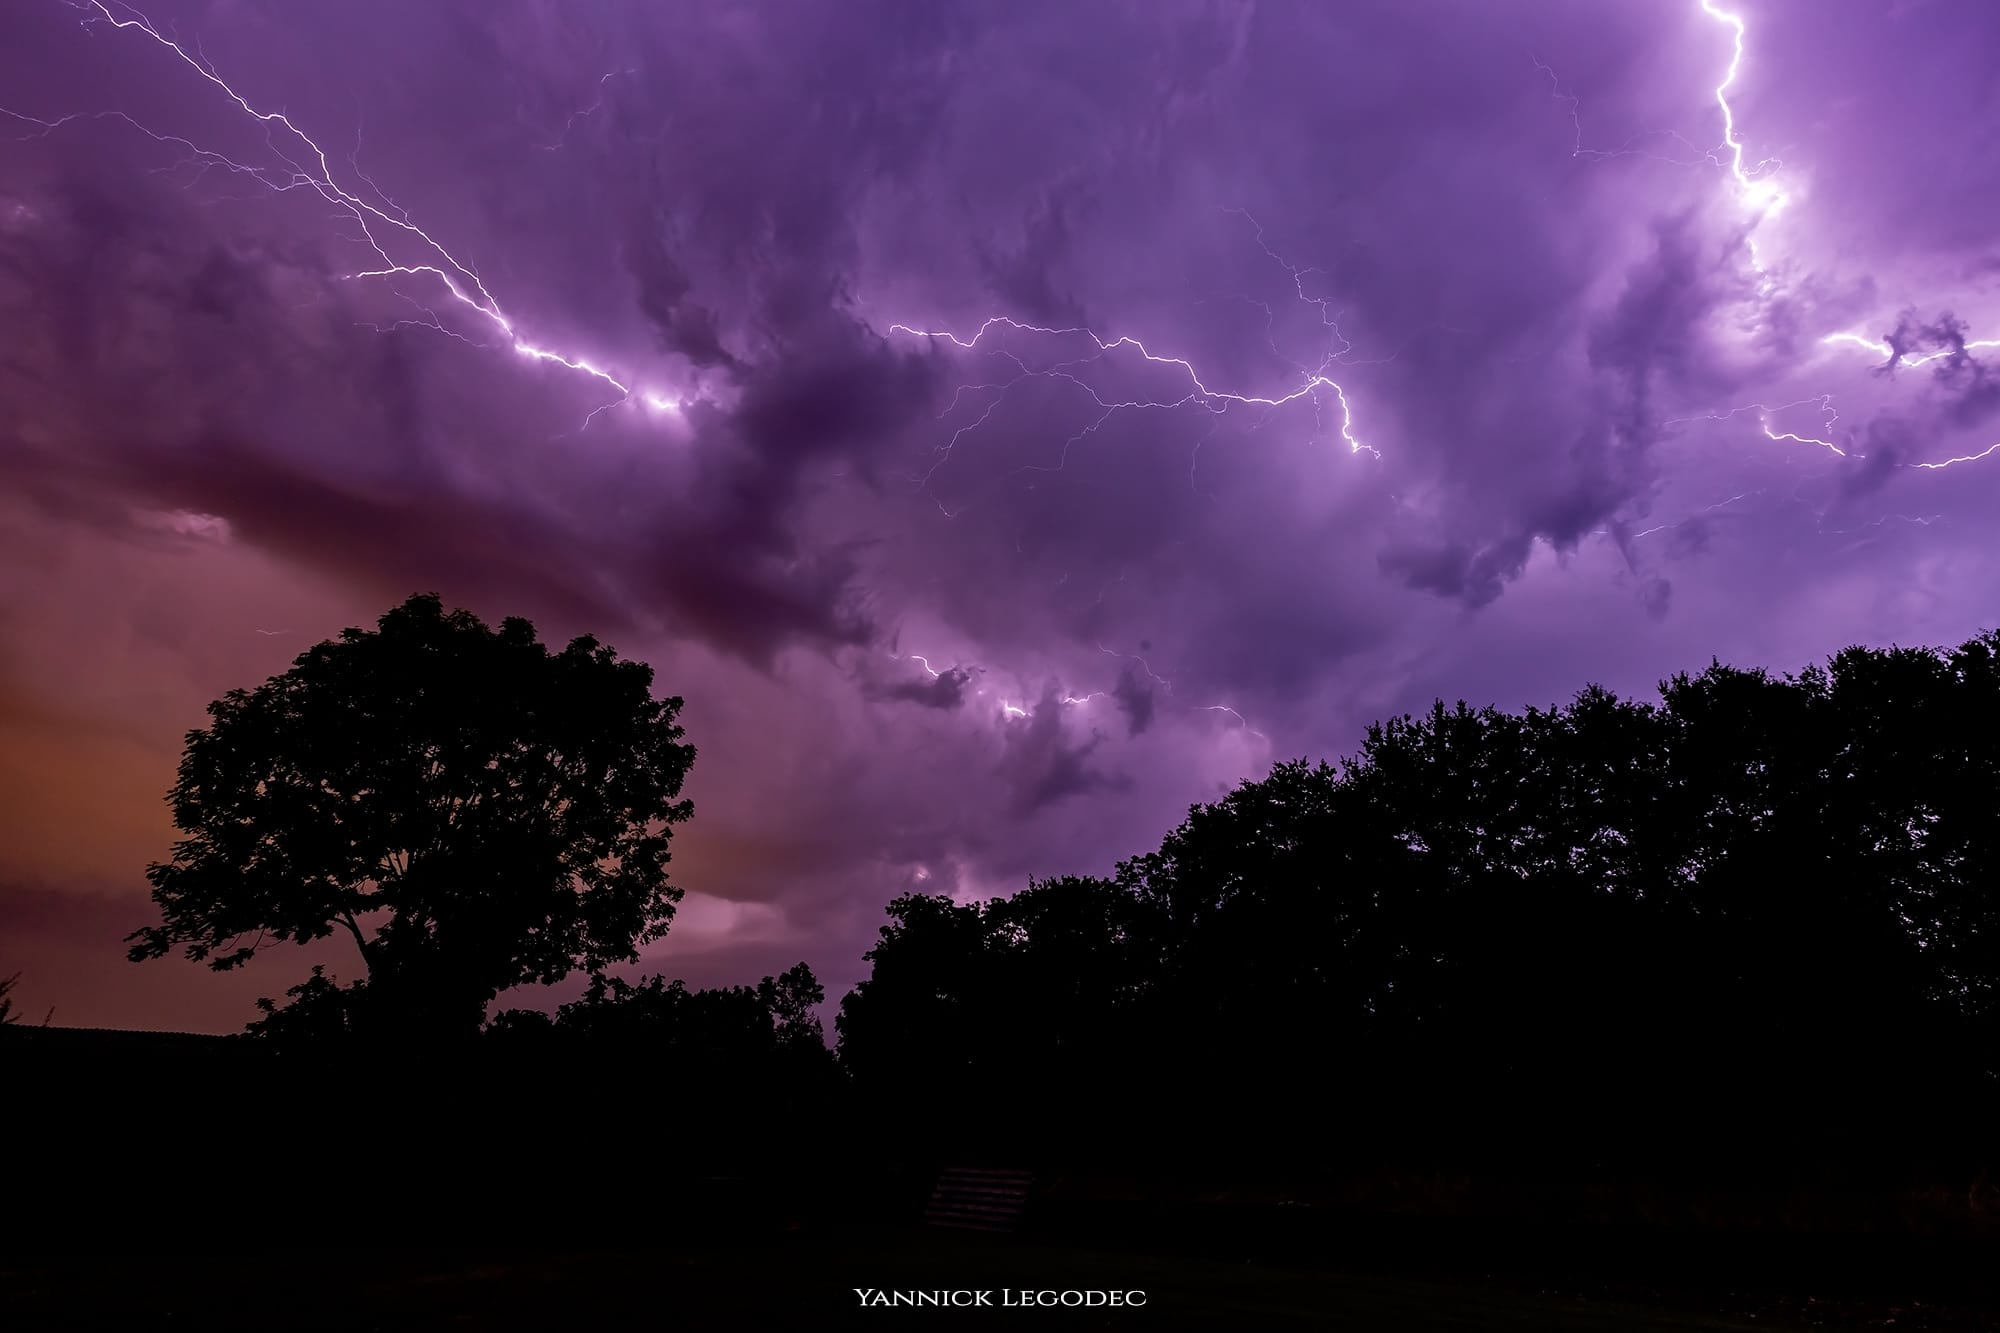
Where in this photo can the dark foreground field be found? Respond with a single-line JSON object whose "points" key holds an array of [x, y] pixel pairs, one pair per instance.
{"points": [[796, 1285], [1398, 1275], [191, 1195]]}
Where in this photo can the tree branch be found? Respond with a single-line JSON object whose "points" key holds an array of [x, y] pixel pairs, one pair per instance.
{"points": [[354, 927]]}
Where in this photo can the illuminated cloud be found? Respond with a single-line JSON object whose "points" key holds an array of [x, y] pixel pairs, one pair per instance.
{"points": [[1189, 381]]}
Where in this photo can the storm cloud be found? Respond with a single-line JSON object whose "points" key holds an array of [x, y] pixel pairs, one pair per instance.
{"points": [[1005, 423]]}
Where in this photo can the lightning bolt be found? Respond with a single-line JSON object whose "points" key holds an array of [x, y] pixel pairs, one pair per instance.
{"points": [[1757, 188], [1706, 509], [1893, 357], [1824, 402], [1154, 676], [1015, 708], [1759, 192], [404, 249], [586, 113], [1198, 391], [406, 253], [305, 166], [1754, 185], [1224, 708], [1315, 384], [1987, 452], [1625, 149]]}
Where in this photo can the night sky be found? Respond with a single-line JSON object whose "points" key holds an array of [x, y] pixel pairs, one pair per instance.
{"points": [[1005, 423]]}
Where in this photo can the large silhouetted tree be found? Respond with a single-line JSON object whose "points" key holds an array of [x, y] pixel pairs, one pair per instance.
{"points": [[474, 810]]}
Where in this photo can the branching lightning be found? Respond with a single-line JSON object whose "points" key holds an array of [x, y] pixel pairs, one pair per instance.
{"points": [[577, 117], [1198, 391], [1015, 708], [1315, 384], [1987, 452], [1824, 402], [1759, 192], [381, 224], [1626, 149], [1893, 356], [1706, 509], [408, 259], [1755, 185]]}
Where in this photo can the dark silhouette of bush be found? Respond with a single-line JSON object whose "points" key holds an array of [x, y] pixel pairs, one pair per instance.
{"points": [[657, 1017], [738, 1076], [966, 1003]]}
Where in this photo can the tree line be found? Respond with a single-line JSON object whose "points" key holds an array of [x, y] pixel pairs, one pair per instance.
{"points": [[1756, 916]]}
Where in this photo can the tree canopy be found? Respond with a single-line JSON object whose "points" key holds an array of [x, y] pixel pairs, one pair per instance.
{"points": [[474, 810], [728, 1023], [1764, 905]]}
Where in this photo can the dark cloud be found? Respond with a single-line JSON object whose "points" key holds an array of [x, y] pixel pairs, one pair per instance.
{"points": [[1970, 386], [945, 690], [662, 290], [1026, 276], [1135, 700], [371, 479], [1647, 351], [1041, 765]]}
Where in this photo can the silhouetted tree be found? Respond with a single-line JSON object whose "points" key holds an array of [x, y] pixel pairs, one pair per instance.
{"points": [[8, 1013], [928, 986], [730, 1035], [1017, 1009], [790, 999], [474, 810], [775, 1014]]}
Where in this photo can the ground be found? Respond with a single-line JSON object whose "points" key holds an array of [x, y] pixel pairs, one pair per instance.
{"points": [[804, 1281]]}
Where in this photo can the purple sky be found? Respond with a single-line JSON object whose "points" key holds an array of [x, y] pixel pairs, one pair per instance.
{"points": [[1480, 366]]}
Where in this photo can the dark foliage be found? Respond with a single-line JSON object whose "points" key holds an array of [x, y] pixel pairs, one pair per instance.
{"points": [[1754, 922], [476, 811], [1750, 929], [770, 1026]]}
